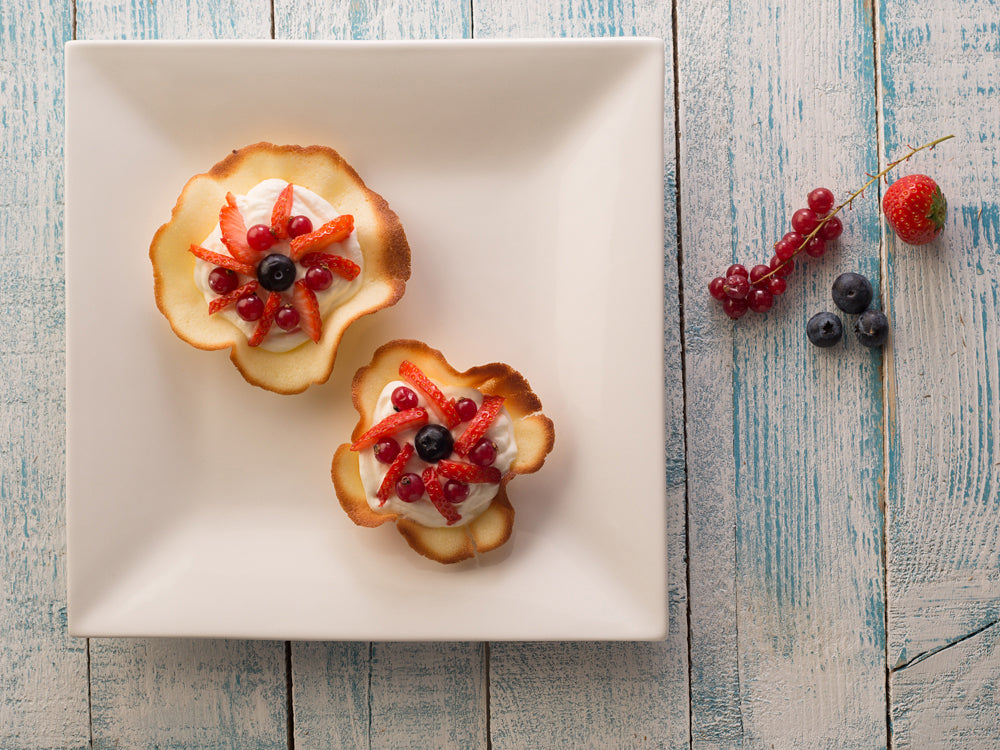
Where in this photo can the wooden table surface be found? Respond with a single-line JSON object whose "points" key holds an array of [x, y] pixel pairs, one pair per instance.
{"points": [[833, 514]]}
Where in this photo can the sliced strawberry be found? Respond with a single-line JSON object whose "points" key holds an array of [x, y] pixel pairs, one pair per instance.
{"points": [[304, 301], [336, 263], [444, 406], [221, 303], [266, 320], [281, 213], [333, 231], [394, 423], [396, 469], [234, 232], [225, 261], [480, 423], [436, 493], [468, 473]]}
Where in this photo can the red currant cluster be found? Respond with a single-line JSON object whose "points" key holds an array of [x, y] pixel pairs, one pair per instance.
{"points": [[812, 228]]}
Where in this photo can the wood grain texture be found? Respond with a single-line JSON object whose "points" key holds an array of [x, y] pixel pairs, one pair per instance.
{"points": [[784, 440], [940, 75], [43, 672], [601, 695], [178, 694], [184, 693], [384, 695]]}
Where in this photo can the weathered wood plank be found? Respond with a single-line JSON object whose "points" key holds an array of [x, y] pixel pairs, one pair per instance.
{"points": [[784, 440], [177, 694], [384, 695], [550, 695], [949, 698], [43, 672], [940, 73], [184, 693]]}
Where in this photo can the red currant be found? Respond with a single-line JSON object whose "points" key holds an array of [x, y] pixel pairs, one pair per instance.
{"points": [[466, 409], [483, 453], [250, 307], [785, 248], [260, 237], [716, 287], [287, 318], [758, 272], [404, 398], [409, 488], [776, 285], [737, 287], [734, 308], [319, 278], [455, 491], [223, 280], [299, 225], [782, 267], [386, 450], [737, 270], [831, 229], [816, 246], [804, 221], [821, 200], [760, 300]]}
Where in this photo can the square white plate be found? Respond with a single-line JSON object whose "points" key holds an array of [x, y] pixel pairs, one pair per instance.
{"points": [[529, 178]]}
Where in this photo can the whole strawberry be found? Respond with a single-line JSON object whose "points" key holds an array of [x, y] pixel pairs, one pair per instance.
{"points": [[915, 208]]}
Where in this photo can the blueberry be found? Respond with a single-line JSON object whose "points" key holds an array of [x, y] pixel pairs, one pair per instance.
{"points": [[872, 328], [276, 272], [824, 329], [852, 292], [433, 442]]}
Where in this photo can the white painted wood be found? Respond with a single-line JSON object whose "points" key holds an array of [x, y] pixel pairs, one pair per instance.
{"points": [[940, 75], [184, 693], [784, 440], [388, 695], [583, 695], [188, 693], [43, 672], [949, 699]]}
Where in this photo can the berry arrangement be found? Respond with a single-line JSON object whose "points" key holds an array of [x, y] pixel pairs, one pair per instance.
{"points": [[445, 481], [263, 264], [812, 228], [852, 293]]}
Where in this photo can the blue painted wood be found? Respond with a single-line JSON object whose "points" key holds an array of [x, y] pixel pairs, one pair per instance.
{"points": [[43, 672], [941, 74], [784, 440]]}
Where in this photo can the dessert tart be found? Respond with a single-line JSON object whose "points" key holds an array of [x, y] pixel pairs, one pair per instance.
{"points": [[273, 253], [434, 450]]}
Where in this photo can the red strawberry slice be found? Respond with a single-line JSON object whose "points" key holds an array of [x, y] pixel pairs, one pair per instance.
{"points": [[436, 493], [304, 301], [396, 469], [281, 213], [443, 406], [234, 232], [468, 473], [395, 422], [336, 263], [225, 261], [264, 324], [333, 231], [221, 303], [486, 415]]}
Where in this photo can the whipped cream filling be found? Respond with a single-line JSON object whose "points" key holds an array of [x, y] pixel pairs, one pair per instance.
{"points": [[501, 432], [256, 207]]}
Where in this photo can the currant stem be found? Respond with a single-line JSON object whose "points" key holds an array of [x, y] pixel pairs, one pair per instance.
{"points": [[849, 203]]}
